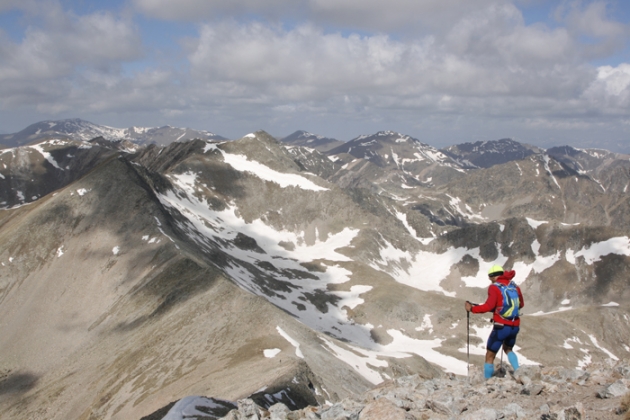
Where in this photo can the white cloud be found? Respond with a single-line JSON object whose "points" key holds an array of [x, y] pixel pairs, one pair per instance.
{"points": [[609, 92], [489, 64], [66, 41], [498, 35], [615, 79], [299, 61], [446, 63], [62, 56], [307, 64]]}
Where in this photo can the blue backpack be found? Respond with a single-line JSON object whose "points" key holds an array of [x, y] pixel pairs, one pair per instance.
{"points": [[511, 301]]}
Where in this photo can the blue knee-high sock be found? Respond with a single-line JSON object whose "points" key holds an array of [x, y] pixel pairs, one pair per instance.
{"points": [[488, 370], [513, 359]]}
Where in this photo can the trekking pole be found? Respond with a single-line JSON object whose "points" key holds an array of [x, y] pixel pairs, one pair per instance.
{"points": [[468, 344]]}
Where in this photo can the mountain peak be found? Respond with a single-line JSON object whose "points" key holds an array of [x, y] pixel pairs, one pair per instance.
{"points": [[386, 134]]}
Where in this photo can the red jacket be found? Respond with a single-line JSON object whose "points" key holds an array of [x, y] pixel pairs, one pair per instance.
{"points": [[495, 300]]}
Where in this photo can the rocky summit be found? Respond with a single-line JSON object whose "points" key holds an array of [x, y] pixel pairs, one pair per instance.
{"points": [[208, 278], [532, 392]]}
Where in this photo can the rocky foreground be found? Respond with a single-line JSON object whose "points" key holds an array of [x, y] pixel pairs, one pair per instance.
{"points": [[600, 391]]}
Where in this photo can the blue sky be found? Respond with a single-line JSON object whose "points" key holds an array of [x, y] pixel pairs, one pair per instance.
{"points": [[444, 71]]}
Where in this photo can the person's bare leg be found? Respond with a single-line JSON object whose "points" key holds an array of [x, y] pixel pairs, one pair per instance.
{"points": [[490, 355]]}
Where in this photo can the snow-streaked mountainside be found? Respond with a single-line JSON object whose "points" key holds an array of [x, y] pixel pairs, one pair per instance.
{"points": [[384, 147], [133, 278], [77, 129], [391, 163]]}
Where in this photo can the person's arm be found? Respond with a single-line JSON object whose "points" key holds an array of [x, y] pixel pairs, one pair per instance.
{"points": [[520, 297], [490, 303]]}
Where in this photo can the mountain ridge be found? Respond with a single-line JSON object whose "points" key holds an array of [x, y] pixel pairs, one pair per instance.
{"points": [[505, 150], [78, 129], [221, 267]]}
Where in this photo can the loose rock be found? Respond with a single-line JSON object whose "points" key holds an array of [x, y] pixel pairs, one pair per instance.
{"points": [[616, 389], [530, 393]]}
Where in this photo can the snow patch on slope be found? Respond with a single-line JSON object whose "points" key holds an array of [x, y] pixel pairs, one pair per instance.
{"points": [[243, 164], [294, 343], [46, 155], [212, 229], [618, 245], [364, 361]]}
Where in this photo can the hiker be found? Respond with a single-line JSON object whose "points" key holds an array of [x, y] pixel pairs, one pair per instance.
{"points": [[504, 299]]}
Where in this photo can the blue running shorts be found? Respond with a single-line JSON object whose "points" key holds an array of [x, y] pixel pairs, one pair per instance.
{"points": [[498, 336]]}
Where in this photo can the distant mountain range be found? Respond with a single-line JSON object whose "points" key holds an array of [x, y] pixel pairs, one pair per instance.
{"points": [[484, 154], [77, 129], [135, 274]]}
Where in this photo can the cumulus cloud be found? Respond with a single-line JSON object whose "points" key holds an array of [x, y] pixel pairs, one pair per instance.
{"points": [[255, 54], [497, 56], [58, 50], [67, 41], [469, 61], [610, 92], [489, 63]]}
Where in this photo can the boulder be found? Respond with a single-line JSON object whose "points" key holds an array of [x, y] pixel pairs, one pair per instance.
{"points": [[533, 389], [346, 409], [575, 412], [616, 389], [482, 414], [383, 409], [514, 410], [278, 411], [247, 410]]}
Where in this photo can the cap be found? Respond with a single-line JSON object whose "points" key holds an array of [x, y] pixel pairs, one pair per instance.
{"points": [[495, 270]]}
